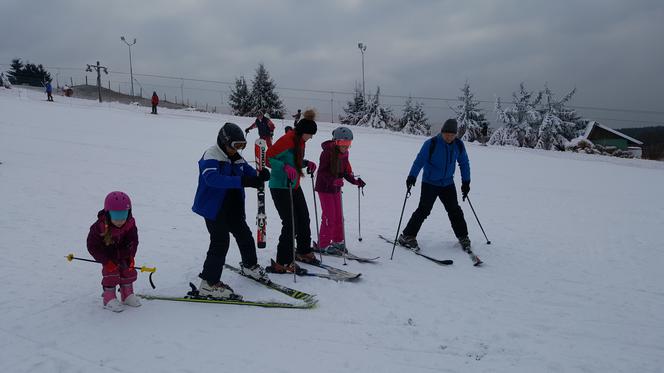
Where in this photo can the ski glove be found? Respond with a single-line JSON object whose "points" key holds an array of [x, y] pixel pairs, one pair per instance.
{"points": [[252, 182], [360, 183], [291, 172], [465, 188], [264, 174], [246, 131], [311, 167], [338, 182], [410, 181]]}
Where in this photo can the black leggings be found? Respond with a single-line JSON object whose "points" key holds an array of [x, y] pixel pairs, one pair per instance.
{"points": [[281, 200]]}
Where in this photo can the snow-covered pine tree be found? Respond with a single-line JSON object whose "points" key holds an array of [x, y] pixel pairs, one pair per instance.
{"points": [[521, 120], [263, 97], [413, 121], [240, 99], [376, 115], [354, 109], [469, 116]]}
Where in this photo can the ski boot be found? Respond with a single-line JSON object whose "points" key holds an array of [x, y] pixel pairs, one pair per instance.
{"points": [[275, 267], [128, 297], [256, 272], [309, 258], [218, 290], [111, 302], [465, 244], [409, 242]]}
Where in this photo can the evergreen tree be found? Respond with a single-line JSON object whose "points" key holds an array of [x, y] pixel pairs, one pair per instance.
{"points": [[469, 116], [355, 109], [413, 121], [521, 120], [559, 124], [240, 99], [376, 115], [31, 74], [263, 97]]}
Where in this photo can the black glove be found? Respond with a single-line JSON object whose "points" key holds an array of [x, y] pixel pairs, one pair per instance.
{"points": [[264, 174], [360, 183], [410, 181], [465, 188], [246, 131], [252, 182]]}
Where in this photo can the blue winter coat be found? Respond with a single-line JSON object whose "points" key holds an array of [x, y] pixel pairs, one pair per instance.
{"points": [[216, 174], [440, 169], [49, 88]]}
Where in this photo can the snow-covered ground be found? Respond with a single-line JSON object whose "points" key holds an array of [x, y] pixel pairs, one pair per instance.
{"points": [[572, 280]]}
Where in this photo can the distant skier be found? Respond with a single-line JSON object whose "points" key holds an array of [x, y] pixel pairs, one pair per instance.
{"points": [[223, 175], [334, 166], [49, 91], [297, 116], [438, 156], [154, 101], [265, 128], [286, 158], [112, 241], [485, 133]]}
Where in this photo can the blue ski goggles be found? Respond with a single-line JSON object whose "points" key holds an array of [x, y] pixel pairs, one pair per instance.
{"points": [[119, 214]]}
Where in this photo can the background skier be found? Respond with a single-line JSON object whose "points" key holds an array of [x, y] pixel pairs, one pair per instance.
{"points": [[49, 91], [265, 128], [154, 101]]}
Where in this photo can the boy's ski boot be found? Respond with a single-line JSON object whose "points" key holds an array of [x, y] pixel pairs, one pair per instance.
{"points": [[256, 272], [408, 241]]}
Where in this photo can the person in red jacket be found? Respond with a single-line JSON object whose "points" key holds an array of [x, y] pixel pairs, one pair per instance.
{"points": [[155, 102], [265, 128], [112, 241]]}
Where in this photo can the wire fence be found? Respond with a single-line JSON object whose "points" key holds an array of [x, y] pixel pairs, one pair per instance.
{"points": [[212, 95]]}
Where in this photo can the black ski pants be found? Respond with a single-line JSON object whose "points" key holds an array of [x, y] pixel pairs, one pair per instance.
{"points": [[154, 109], [448, 196], [230, 219], [281, 198]]}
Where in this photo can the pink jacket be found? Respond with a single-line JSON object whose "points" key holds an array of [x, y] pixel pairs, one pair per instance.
{"points": [[123, 241], [326, 176]]}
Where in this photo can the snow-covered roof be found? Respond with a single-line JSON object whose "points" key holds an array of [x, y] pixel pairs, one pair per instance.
{"points": [[592, 124]]}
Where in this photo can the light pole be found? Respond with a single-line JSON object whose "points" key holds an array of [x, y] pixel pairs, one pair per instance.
{"points": [[131, 73], [362, 47]]}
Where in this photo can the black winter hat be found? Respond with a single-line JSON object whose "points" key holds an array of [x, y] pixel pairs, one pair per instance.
{"points": [[306, 126], [450, 126]]}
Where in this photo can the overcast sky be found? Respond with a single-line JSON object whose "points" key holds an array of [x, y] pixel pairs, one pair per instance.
{"points": [[610, 50]]}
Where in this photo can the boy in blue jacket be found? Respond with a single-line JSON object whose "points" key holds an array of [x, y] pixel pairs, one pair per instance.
{"points": [[438, 156], [223, 175]]}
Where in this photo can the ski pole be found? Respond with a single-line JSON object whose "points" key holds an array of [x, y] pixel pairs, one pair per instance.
{"points": [[359, 214], [394, 244], [478, 220], [313, 190], [343, 224], [151, 270], [292, 213]]}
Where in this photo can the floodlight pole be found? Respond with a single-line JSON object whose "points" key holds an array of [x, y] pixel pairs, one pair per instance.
{"points": [[362, 47], [131, 72]]}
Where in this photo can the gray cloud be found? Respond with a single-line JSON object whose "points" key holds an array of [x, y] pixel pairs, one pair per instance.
{"points": [[610, 50]]}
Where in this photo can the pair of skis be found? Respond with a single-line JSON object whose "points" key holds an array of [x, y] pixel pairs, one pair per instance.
{"points": [[476, 260], [260, 148], [309, 300]]}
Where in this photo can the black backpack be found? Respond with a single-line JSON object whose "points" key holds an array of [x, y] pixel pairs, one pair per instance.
{"points": [[432, 147]]}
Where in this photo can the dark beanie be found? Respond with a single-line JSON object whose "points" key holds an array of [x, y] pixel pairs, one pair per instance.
{"points": [[450, 126], [306, 126]]}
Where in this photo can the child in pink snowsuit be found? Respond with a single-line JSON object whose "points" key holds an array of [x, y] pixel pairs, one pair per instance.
{"points": [[334, 166], [112, 241]]}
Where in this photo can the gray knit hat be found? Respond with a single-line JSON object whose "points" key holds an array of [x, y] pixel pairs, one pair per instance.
{"points": [[450, 126]]}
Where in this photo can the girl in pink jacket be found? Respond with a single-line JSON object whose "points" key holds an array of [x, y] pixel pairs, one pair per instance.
{"points": [[112, 241], [334, 166]]}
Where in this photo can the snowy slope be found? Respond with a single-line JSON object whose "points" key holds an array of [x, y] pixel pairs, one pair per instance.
{"points": [[572, 280]]}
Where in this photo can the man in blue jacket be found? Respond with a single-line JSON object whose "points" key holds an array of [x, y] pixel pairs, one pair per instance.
{"points": [[223, 175], [438, 156]]}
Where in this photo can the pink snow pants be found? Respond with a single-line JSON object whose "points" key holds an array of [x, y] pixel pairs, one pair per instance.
{"points": [[113, 276], [331, 225]]}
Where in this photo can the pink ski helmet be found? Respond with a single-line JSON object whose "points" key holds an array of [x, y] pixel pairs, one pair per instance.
{"points": [[117, 201]]}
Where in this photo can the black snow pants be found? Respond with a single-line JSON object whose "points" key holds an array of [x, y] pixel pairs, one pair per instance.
{"points": [[448, 196], [281, 200]]}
